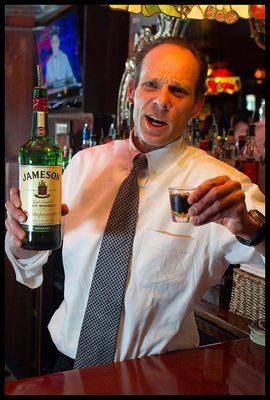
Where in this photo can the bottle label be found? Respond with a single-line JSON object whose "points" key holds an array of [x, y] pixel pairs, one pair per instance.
{"points": [[41, 127], [40, 191], [251, 169]]}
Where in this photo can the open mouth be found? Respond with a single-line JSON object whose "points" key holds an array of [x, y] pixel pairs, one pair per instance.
{"points": [[158, 123]]}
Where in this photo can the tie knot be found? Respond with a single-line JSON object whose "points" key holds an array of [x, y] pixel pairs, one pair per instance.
{"points": [[139, 163]]}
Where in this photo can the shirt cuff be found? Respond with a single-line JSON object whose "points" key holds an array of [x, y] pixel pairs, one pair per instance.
{"points": [[28, 271]]}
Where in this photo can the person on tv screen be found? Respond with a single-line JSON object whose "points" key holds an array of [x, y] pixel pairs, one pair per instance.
{"points": [[58, 69]]}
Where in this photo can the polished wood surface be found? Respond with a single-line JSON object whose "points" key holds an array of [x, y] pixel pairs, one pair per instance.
{"points": [[224, 319], [234, 367]]}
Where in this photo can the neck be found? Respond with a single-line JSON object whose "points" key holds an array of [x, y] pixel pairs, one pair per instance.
{"points": [[145, 147]]}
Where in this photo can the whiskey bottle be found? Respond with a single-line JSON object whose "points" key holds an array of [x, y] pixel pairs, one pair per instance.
{"points": [[230, 150], [85, 137], [40, 174], [125, 129], [196, 133], [93, 139], [217, 150], [251, 156], [65, 158]]}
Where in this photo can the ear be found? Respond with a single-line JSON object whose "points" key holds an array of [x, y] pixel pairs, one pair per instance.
{"points": [[198, 106], [131, 90]]}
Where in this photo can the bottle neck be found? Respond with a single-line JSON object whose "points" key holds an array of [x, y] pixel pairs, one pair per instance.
{"points": [[251, 150], [40, 124], [40, 118]]}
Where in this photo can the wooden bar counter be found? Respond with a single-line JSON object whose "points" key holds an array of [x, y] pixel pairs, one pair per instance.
{"points": [[233, 367]]}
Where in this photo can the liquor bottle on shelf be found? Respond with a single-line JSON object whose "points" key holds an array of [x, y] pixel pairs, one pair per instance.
{"points": [[65, 158], [260, 140], [125, 130], [203, 139], [196, 133], [40, 174], [212, 134], [251, 155], [217, 150], [70, 153], [112, 133], [230, 151], [85, 137], [240, 142], [189, 133], [203, 144], [101, 136], [93, 140], [223, 136]]}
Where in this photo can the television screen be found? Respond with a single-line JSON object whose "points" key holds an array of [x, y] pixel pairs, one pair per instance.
{"points": [[58, 54]]}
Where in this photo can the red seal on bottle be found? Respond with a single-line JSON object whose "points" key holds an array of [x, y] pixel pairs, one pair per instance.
{"points": [[40, 104], [40, 131]]}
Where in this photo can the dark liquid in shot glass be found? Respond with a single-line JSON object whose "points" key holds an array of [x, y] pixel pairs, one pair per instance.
{"points": [[180, 204]]}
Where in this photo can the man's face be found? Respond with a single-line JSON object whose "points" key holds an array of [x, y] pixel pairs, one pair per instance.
{"points": [[164, 99], [55, 44]]}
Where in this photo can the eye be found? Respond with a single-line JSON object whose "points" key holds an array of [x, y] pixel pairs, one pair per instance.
{"points": [[150, 84], [178, 91]]}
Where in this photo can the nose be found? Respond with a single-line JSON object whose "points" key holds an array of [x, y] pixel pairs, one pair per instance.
{"points": [[162, 100]]}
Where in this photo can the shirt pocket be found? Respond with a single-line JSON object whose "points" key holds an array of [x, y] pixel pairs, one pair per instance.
{"points": [[165, 259]]}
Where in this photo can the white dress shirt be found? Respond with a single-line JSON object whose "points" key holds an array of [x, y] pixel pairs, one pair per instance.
{"points": [[172, 264]]}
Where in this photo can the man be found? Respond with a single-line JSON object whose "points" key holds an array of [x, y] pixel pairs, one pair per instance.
{"points": [[172, 264], [58, 69]]}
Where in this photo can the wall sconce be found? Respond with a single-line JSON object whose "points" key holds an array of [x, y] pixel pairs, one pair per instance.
{"points": [[221, 80], [259, 75]]}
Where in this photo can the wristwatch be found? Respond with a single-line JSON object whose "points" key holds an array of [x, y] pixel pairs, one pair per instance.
{"points": [[258, 238]]}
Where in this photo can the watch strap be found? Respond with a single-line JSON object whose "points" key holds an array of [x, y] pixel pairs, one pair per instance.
{"points": [[260, 234]]}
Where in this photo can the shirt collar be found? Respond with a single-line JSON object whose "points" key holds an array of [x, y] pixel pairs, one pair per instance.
{"points": [[161, 159]]}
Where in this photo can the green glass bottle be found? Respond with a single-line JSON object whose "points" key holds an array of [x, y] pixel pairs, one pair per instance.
{"points": [[40, 176]]}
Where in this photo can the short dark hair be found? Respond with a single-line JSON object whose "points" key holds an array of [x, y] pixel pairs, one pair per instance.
{"points": [[54, 31], [141, 51]]}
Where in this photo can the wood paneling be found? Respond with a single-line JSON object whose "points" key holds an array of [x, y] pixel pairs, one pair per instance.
{"points": [[18, 84], [19, 300], [105, 52]]}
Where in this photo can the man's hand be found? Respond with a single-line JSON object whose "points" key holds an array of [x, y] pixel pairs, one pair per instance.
{"points": [[222, 200], [15, 216]]}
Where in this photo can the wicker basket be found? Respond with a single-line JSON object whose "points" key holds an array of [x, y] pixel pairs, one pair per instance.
{"points": [[248, 295]]}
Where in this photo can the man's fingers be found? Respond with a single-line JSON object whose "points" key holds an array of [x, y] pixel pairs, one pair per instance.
{"points": [[15, 197], [14, 228], [225, 207], [205, 187], [214, 195], [15, 212], [65, 209], [18, 231], [15, 241]]}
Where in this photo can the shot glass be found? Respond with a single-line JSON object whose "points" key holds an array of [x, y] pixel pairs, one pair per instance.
{"points": [[179, 203]]}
